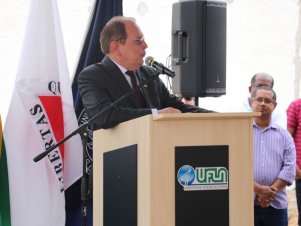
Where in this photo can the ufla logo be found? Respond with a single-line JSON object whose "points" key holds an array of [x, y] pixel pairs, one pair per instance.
{"points": [[203, 178]]}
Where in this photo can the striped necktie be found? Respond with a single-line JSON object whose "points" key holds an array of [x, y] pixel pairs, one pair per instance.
{"points": [[138, 93]]}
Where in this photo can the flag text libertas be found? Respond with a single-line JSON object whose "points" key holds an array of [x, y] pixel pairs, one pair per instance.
{"points": [[48, 139]]}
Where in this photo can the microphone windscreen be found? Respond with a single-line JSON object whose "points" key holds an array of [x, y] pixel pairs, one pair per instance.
{"points": [[148, 60]]}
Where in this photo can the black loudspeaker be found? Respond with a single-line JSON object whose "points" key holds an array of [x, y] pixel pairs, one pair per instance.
{"points": [[199, 48]]}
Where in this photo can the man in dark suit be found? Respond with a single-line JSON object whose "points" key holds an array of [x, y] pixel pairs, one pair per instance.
{"points": [[103, 83]]}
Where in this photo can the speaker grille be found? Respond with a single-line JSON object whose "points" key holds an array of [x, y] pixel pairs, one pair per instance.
{"points": [[199, 48]]}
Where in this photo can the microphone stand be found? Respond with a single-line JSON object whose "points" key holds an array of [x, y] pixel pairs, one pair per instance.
{"points": [[196, 101], [83, 187], [82, 131]]}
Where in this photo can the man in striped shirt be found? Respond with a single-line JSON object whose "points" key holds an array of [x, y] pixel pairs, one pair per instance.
{"points": [[294, 127], [274, 162]]}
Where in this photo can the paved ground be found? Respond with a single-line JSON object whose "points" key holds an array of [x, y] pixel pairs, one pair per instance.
{"points": [[292, 208]]}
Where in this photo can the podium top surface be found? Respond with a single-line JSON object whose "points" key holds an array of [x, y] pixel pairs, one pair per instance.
{"points": [[195, 116]]}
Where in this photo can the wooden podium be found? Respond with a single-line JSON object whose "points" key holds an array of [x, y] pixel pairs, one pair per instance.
{"points": [[175, 170]]}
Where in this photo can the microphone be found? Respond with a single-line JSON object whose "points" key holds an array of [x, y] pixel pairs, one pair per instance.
{"points": [[159, 67]]}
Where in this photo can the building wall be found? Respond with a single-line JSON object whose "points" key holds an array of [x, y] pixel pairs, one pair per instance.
{"points": [[261, 36]]}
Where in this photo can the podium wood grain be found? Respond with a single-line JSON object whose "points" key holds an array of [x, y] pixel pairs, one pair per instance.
{"points": [[156, 138]]}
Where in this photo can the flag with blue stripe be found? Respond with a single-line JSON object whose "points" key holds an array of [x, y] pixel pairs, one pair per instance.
{"points": [[103, 11]]}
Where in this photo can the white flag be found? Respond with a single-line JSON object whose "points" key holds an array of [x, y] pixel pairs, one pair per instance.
{"points": [[41, 113]]}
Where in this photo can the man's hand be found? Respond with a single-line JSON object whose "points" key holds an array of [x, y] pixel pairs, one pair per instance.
{"points": [[265, 195]]}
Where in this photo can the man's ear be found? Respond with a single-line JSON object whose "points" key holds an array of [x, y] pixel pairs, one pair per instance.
{"points": [[250, 88], [251, 102], [113, 46]]}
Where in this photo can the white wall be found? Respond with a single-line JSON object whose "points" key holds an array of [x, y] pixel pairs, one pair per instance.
{"points": [[260, 37]]}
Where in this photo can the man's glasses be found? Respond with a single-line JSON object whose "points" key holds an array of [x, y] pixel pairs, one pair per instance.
{"points": [[139, 41], [260, 100], [260, 85]]}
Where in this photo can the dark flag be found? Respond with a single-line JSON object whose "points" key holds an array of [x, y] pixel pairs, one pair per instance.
{"points": [[103, 11]]}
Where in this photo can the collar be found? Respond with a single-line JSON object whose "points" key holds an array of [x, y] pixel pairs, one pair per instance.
{"points": [[272, 125], [122, 69]]}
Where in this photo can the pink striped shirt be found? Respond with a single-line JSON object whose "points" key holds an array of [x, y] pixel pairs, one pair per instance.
{"points": [[294, 121]]}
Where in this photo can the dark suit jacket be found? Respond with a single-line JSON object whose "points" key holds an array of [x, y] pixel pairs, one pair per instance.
{"points": [[103, 83]]}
